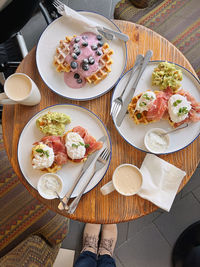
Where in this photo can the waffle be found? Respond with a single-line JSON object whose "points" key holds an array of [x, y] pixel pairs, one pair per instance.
{"points": [[137, 116], [61, 51], [104, 66], [104, 62]]}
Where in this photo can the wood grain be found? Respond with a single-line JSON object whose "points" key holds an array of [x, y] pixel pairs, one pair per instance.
{"points": [[94, 207]]}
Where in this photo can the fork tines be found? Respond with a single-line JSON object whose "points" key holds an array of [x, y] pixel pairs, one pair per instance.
{"points": [[105, 154], [57, 3]]}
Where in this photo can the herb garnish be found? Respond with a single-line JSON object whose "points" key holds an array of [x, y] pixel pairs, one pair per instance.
{"points": [[175, 104], [139, 115], [147, 97], [182, 111], [42, 152], [142, 104], [80, 144]]}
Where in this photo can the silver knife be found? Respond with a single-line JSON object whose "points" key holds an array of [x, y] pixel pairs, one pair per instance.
{"points": [[118, 35], [84, 168], [131, 88]]}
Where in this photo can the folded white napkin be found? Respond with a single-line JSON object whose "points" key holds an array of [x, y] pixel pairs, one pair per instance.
{"points": [[75, 17], [161, 181]]}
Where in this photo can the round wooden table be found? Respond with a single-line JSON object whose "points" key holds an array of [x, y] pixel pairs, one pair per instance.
{"points": [[94, 207]]}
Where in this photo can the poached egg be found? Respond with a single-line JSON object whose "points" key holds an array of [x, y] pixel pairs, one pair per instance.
{"points": [[75, 145], [145, 101], [178, 108], [42, 156]]}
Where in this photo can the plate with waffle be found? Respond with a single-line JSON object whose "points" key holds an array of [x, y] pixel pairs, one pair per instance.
{"points": [[153, 107], [63, 154], [77, 63]]}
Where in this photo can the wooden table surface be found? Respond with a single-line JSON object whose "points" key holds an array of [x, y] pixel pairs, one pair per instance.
{"points": [[94, 207]]}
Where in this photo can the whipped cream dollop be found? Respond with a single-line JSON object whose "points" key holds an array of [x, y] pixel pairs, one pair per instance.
{"points": [[178, 108], [75, 145], [43, 156], [145, 101]]}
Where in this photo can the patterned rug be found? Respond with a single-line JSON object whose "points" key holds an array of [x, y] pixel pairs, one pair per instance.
{"points": [[21, 214], [178, 21]]}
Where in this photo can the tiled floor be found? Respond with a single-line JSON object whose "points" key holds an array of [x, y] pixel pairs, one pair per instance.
{"points": [[147, 241]]}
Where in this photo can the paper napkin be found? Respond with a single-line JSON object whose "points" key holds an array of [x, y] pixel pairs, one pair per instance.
{"points": [[75, 17], [161, 181]]}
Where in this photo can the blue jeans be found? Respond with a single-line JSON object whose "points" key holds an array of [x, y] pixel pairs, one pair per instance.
{"points": [[90, 259]]}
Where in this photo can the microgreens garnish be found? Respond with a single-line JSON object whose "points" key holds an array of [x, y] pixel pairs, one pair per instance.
{"points": [[80, 144], [175, 104], [182, 111], [139, 116], [147, 97], [142, 104], [42, 152]]}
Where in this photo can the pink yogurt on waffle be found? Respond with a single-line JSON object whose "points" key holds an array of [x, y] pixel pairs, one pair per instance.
{"points": [[84, 54]]}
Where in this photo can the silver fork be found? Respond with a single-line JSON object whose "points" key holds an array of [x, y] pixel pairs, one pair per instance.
{"points": [[118, 102], [107, 33], [100, 163], [58, 5]]}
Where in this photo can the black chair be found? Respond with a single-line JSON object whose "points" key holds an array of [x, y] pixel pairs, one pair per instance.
{"points": [[186, 251], [12, 45]]}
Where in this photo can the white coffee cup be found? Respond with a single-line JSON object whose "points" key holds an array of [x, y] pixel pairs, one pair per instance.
{"points": [[126, 180], [19, 88]]}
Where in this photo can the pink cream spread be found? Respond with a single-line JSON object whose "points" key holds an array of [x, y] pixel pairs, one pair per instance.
{"points": [[83, 57]]}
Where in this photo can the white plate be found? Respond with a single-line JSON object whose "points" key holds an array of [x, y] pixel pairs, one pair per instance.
{"points": [[30, 134], [45, 53], [134, 134]]}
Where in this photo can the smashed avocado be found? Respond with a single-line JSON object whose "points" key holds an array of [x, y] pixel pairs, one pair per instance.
{"points": [[166, 74], [53, 123]]}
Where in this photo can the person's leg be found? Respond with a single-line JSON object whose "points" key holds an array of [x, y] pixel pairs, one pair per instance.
{"points": [[88, 256], [107, 245], [86, 259]]}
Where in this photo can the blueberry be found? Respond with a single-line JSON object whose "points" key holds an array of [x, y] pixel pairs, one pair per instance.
{"points": [[99, 53], [85, 67], [77, 39], [75, 46], [74, 56], [79, 80], [85, 61], [76, 76], [77, 51], [74, 65], [91, 60], [84, 43], [99, 37], [100, 44], [94, 47], [84, 37]]}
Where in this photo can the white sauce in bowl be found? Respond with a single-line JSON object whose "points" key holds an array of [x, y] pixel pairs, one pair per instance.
{"points": [[48, 184], [155, 142]]}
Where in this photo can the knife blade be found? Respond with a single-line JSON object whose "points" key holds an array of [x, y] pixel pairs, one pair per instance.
{"points": [[131, 88], [84, 168], [119, 35]]}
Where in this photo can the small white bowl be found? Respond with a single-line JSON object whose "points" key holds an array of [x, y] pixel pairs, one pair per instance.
{"points": [[155, 143], [49, 180]]}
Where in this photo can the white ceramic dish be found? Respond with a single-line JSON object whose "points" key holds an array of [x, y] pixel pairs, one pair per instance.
{"points": [[46, 48], [30, 134], [156, 144], [134, 134], [40, 186]]}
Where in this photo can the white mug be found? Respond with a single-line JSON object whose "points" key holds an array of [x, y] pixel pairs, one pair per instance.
{"points": [[19, 88], [126, 180]]}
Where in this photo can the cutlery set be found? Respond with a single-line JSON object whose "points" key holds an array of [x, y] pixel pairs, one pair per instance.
{"points": [[118, 108], [107, 33]]}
